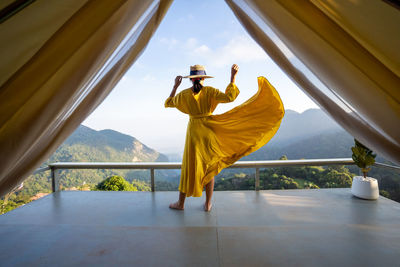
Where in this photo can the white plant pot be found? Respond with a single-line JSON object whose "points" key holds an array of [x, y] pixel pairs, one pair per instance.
{"points": [[366, 188]]}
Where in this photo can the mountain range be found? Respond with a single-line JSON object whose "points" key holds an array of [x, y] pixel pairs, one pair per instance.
{"points": [[88, 145], [298, 126], [108, 145], [311, 134]]}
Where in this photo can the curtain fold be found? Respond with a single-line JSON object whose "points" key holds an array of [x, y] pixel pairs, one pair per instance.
{"points": [[349, 72], [65, 74]]}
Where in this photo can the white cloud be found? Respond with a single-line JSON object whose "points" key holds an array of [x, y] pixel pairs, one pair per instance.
{"points": [[169, 42], [190, 43], [203, 49], [241, 49], [149, 78], [238, 50]]}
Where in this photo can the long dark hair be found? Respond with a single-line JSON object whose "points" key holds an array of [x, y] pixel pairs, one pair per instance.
{"points": [[197, 85]]}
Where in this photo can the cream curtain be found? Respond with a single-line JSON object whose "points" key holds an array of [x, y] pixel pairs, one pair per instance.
{"points": [[343, 54], [59, 60]]}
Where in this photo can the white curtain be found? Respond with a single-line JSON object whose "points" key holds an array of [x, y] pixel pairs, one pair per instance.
{"points": [[59, 60], [343, 54]]}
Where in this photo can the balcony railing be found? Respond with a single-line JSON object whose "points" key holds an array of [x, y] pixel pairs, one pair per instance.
{"points": [[152, 166]]}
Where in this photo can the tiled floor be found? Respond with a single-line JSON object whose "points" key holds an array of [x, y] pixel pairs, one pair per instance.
{"points": [[325, 227]]}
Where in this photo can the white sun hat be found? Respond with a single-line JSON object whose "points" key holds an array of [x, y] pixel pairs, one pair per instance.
{"points": [[197, 71]]}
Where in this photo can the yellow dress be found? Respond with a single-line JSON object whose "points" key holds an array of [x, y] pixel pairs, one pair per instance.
{"points": [[214, 142]]}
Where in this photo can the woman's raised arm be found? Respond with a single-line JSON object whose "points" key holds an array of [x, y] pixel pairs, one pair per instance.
{"points": [[231, 91], [234, 71], [170, 102], [178, 81]]}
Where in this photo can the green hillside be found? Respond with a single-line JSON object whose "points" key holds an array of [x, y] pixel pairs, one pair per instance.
{"points": [[88, 145]]}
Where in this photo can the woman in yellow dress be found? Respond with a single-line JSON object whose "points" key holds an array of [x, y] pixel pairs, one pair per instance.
{"points": [[214, 142]]}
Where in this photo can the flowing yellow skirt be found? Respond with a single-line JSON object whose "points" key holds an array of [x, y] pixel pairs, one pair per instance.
{"points": [[217, 141]]}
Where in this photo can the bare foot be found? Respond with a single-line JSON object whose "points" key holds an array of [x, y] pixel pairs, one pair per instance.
{"points": [[207, 208], [176, 206]]}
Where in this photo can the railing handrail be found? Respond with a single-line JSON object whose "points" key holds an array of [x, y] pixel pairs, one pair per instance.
{"points": [[386, 166], [152, 166], [42, 169], [177, 165]]}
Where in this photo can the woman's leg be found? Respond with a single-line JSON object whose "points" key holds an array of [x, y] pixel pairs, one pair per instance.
{"points": [[180, 204], [209, 192]]}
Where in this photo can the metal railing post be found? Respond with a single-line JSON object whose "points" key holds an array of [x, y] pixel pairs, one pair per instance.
{"points": [[257, 181], [54, 180], [152, 179]]}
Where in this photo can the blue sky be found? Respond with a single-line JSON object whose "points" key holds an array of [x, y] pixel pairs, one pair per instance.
{"points": [[192, 32]]}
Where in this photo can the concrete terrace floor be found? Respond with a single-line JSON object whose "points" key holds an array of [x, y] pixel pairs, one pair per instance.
{"points": [[325, 227]]}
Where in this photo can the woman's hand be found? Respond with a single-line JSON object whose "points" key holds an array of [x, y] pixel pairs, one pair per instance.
{"points": [[234, 71], [178, 81]]}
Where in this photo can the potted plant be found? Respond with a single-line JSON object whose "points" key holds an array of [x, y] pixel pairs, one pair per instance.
{"points": [[363, 186]]}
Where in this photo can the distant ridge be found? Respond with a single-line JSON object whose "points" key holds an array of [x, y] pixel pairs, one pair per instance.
{"points": [[297, 126], [335, 144], [86, 144], [311, 134]]}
